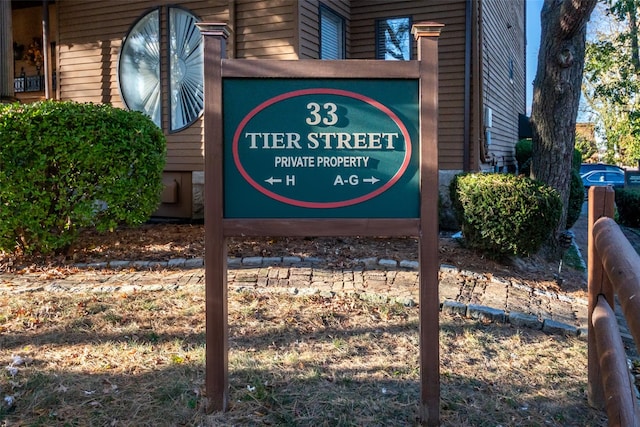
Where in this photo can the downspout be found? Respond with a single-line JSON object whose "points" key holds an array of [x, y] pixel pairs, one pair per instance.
{"points": [[466, 156], [478, 87], [6, 50], [46, 49], [232, 46]]}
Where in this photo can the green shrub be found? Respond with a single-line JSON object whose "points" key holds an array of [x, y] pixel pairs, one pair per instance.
{"points": [[65, 165], [628, 204], [577, 160], [524, 151], [503, 214], [576, 198]]}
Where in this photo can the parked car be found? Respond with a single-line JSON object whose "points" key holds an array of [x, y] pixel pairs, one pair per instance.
{"points": [[615, 178], [588, 167]]}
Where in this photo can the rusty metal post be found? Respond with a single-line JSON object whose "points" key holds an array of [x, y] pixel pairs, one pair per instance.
{"points": [[217, 341], [600, 204]]}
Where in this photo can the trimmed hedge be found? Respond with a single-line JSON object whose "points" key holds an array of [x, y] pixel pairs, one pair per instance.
{"points": [[503, 214], [524, 151], [628, 204], [65, 166]]}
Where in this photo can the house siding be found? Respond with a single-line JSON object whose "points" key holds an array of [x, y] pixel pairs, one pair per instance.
{"points": [[310, 25], [89, 41], [450, 57], [503, 44], [90, 35], [266, 29]]}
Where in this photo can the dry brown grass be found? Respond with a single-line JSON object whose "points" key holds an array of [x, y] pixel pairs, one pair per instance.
{"points": [[89, 359]]}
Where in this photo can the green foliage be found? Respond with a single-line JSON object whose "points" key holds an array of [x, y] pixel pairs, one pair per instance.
{"points": [[503, 214], [64, 166], [611, 82], [586, 147], [577, 160], [576, 197], [628, 204], [524, 152]]}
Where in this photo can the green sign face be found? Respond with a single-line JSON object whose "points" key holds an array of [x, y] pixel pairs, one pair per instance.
{"points": [[301, 148]]}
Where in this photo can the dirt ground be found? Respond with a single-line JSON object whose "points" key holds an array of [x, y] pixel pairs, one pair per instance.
{"points": [[164, 241]]}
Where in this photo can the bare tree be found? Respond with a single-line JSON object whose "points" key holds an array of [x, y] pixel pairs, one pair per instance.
{"points": [[556, 93]]}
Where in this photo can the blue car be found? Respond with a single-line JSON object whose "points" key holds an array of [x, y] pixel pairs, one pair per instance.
{"points": [[588, 167], [613, 178]]}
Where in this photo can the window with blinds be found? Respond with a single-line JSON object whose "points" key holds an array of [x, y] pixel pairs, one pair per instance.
{"points": [[332, 34], [393, 39]]}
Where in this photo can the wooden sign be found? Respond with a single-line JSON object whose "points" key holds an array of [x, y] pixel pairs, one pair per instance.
{"points": [[321, 148]]}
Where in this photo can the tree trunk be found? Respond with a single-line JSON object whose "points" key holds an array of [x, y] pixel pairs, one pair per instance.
{"points": [[556, 94]]}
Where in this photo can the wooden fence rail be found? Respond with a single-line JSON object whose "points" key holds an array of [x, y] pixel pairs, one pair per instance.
{"points": [[613, 270]]}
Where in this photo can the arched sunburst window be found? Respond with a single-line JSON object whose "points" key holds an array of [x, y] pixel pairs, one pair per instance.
{"points": [[139, 68], [186, 69]]}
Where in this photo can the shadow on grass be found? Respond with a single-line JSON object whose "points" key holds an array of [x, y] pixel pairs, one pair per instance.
{"points": [[292, 362]]}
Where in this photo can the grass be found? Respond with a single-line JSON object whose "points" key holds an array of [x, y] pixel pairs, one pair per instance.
{"points": [[87, 359], [572, 258]]}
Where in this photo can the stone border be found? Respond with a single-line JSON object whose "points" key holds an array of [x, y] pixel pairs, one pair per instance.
{"points": [[494, 315], [237, 262], [450, 307]]}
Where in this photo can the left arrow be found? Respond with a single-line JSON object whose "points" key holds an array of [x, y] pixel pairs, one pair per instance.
{"points": [[273, 180]]}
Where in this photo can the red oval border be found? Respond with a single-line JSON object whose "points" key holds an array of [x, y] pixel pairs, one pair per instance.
{"points": [[322, 91]]}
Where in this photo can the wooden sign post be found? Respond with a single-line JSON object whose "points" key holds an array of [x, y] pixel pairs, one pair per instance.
{"points": [[321, 148]]}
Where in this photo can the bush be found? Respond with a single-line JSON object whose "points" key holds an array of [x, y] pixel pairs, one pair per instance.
{"points": [[628, 203], [504, 214], [524, 151], [576, 198], [577, 160], [64, 166]]}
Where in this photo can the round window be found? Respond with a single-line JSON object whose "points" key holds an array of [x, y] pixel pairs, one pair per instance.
{"points": [[139, 68], [186, 54]]}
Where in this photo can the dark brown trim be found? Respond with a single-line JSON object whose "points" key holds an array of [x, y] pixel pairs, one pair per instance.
{"points": [[428, 243], [321, 227], [217, 340], [466, 143], [353, 68]]}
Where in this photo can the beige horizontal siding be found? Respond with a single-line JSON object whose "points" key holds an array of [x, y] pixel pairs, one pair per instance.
{"points": [[450, 57], [90, 36], [92, 32], [266, 29]]}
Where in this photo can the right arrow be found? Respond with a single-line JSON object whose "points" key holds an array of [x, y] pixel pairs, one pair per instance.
{"points": [[371, 180]]}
